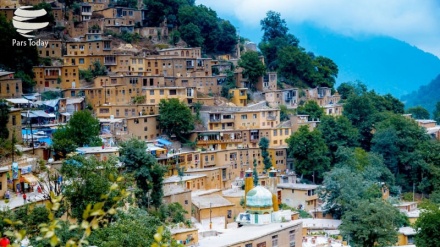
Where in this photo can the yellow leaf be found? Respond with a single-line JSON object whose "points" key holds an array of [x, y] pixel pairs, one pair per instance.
{"points": [[73, 227], [114, 186], [111, 211], [8, 221], [49, 234], [84, 224], [97, 212], [54, 240], [88, 232]]}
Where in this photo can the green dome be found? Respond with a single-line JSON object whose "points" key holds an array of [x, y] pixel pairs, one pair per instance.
{"points": [[259, 197]]}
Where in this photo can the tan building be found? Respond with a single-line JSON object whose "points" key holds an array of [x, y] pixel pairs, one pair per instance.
{"points": [[301, 196], [14, 124], [173, 192], [186, 236], [142, 127], [9, 86], [406, 236], [271, 235], [213, 206], [52, 50], [56, 77]]}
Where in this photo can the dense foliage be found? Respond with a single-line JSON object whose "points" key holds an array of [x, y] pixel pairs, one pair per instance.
{"points": [[296, 66], [17, 59], [253, 67], [82, 129], [175, 118]]}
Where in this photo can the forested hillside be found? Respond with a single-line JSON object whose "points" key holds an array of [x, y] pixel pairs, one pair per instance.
{"points": [[426, 96]]}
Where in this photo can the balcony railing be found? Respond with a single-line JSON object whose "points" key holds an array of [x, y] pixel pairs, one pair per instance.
{"points": [[214, 119], [271, 117], [219, 141]]}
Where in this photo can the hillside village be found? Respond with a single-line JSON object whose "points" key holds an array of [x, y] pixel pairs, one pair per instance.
{"points": [[211, 171]]}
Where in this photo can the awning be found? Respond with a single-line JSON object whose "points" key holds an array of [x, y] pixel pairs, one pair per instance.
{"points": [[33, 114], [31, 179], [209, 134], [18, 101], [164, 142]]}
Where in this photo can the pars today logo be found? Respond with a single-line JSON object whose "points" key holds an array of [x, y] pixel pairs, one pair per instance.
{"points": [[21, 19]]}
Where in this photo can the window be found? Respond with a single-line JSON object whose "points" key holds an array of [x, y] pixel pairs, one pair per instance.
{"points": [[263, 244], [145, 120], [248, 245], [117, 112], [136, 121], [243, 116], [274, 132], [14, 122], [145, 128], [81, 61], [275, 241], [229, 214], [286, 132], [104, 110], [186, 202], [161, 92], [292, 237], [254, 116]]}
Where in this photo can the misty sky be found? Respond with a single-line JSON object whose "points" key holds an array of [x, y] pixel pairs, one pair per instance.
{"points": [[416, 22]]}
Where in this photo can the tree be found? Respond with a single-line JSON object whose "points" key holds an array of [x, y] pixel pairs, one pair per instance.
{"points": [[255, 173], [159, 10], [312, 109], [357, 175], [346, 89], [98, 69], [285, 113], [174, 37], [418, 112], [252, 66], [325, 73], [19, 59], [228, 37], [264, 145], [400, 140], [229, 84], [310, 152], [146, 171], [436, 113], [270, 49], [175, 118], [372, 223], [273, 26], [427, 226], [338, 132], [295, 65], [82, 129], [86, 180], [191, 34], [4, 119]]}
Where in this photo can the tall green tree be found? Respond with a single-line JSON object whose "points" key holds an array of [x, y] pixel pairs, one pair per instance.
{"points": [[273, 26], [264, 145], [400, 140], [87, 179], [255, 173], [310, 152], [148, 174], [4, 119], [253, 67], [372, 223], [326, 72], [338, 132], [418, 112], [312, 109], [228, 37], [191, 34], [175, 118], [295, 66], [357, 175], [159, 10], [346, 89], [81, 130], [427, 226]]}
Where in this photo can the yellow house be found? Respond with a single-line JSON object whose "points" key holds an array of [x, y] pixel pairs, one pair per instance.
{"points": [[239, 96], [52, 50], [9, 86], [406, 236], [51, 77], [211, 206], [301, 196]]}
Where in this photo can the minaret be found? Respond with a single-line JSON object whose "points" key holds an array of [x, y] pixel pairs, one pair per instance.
{"points": [[248, 182], [273, 188]]}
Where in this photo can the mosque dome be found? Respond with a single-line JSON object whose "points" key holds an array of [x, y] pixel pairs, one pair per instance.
{"points": [[259, 197]]}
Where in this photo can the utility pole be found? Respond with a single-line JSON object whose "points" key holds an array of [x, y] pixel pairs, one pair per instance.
{"points": [[210, 219], [32, 136]]}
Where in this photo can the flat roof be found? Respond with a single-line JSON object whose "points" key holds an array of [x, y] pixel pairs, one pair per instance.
{"points": [[92, 150], [210, 201], [321, 223], [177, 179], [297, 186], [229, 237], [407, 231]]}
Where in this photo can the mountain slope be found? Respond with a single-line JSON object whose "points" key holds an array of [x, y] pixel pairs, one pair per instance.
{"points": [[427, 96]]}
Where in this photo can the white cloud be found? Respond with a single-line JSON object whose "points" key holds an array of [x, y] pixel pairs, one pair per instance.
{"points": [[413, 21]]}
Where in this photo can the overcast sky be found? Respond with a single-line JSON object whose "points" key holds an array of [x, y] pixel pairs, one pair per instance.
{"points": [[416, 22]]}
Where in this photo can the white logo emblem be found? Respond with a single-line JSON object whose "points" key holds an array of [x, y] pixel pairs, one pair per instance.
{"points": [[22, 15]]}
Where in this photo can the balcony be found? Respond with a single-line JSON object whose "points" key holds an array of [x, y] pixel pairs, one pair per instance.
{"points": [[254, 140], [271, 117], [219, 141], [215, 120]]}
